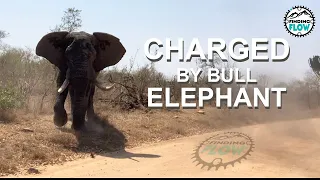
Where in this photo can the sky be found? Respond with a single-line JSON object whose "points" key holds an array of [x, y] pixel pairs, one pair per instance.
{"points": [[134, 22]]}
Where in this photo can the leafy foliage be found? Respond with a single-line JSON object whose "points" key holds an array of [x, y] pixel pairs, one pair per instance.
{"points": [[314, 63], [70, 21], [3, 34], [10, 98]]}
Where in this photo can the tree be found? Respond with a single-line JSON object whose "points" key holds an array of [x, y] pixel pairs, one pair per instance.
{"points": [[263, 80], [70, 21], [314, 63], [312, 78], [3, 34]]}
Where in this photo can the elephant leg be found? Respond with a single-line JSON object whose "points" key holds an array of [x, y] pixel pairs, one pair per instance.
{"points": [[90, 111], [60, 114], [95, 123]]}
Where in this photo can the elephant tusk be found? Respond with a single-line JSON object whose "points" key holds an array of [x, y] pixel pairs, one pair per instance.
{"points": [[104, 88], [64, 86]]}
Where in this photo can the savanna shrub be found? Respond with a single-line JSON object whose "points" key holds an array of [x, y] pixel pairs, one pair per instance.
{"points": [[10, 98]]}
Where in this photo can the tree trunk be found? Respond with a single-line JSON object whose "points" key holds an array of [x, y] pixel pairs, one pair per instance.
{"points": [[308, 96]]}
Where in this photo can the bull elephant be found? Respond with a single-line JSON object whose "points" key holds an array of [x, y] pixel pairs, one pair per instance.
{"points": [[79, 57]]}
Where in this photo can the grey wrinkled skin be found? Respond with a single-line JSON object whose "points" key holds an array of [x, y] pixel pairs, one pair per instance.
{"points": [[79, 57]]}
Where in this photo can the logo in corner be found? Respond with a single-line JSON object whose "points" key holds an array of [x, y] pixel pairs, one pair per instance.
{"points": [[223, 149], [299, 21]]}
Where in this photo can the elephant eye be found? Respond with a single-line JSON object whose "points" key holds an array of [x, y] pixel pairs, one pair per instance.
{"points": [[88, 45]]}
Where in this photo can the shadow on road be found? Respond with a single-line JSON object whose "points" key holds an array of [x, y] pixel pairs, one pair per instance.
{"points": [[123, 154], [104, 139]]}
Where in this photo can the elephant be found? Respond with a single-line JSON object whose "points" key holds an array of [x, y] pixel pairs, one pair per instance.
{"points": [[79, 57]]}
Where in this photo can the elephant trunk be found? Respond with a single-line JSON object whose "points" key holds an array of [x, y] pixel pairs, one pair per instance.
{"points": [[79, 93]]}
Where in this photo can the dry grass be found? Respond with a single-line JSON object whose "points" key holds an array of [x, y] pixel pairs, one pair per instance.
{"points": [[7, 116]]}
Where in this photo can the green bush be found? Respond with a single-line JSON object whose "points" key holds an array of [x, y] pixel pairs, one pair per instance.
{"points": [[10, 98]]}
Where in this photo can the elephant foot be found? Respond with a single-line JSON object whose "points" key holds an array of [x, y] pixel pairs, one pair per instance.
{"points": [[90, 116], [80, 134], [60, 116]]}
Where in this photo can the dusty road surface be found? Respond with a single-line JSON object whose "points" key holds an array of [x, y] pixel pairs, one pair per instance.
{"points": [[282, 149]]}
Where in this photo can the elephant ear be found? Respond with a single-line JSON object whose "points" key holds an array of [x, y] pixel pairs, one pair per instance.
{"points": [[109, 50], [52, 47]]}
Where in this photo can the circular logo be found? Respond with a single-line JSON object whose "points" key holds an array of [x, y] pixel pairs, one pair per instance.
{"points": [[299, 21], [223, 149]]}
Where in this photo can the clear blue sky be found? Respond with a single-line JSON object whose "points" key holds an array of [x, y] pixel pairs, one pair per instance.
{"points": [[136, 21]]}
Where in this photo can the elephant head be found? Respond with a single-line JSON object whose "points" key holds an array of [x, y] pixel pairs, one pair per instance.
{"points": [[80, 57], [83, 54]]}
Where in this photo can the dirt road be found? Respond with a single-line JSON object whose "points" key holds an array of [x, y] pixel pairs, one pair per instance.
{"points": [[282, 149]]}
